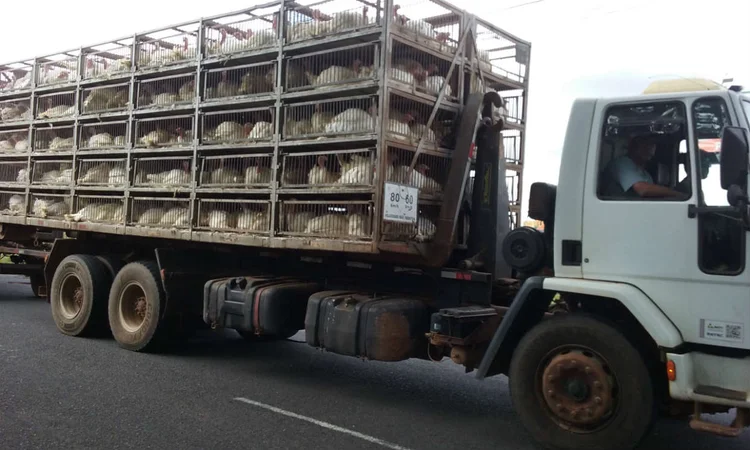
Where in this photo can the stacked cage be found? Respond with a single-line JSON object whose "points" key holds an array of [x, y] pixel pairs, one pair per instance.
{"points": [[278, 126]]}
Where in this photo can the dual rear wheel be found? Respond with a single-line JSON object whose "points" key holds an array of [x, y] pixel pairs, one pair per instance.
{"points": [[90, 294]]}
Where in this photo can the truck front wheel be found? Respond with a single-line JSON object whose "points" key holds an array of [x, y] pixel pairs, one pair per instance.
{"points": [[78, 295], [135, 305], [578, 383]]}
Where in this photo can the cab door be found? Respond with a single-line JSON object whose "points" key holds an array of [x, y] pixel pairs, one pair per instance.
{"points": [[659, 245]]}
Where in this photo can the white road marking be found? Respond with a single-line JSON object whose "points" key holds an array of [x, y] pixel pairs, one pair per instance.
{"points": [[322, 424]]}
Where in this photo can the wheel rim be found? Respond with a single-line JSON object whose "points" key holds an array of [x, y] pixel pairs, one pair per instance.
{"points": [[578, 389], [71, 297], [133, 306]]}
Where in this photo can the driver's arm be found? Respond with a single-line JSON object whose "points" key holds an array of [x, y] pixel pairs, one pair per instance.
{"points": [[630, 177]]}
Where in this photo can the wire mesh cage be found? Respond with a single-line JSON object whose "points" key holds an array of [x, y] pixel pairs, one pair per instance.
{"points": [[18, 110], [248, 31], [237, 171], [421, 231], [52, 172], [53, 139], [332, 68], [12, 203], [328, 18], [110, 172], [234, 215], [60, 68], [330, 118], [56, 106], [429, 174], [513, 108], [49, 206], [16, 76], [415, 70], [160, 212], [334, 219], [14, 141], [166, 92], [407, 123], [108, 60], [98, 208], [163, 172], [236, 127], [106, 99], [501, 54], [14, 172], [103, 136], [428, 23], [512, 146], [164, 132], [242, 81], [342, 169], [168, 46]]}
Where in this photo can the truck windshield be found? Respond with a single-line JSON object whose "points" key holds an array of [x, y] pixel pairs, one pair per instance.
{"points": [[710, 116]]}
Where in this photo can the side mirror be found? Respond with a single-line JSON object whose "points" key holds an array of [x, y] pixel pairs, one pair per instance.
{"points": [[734, 158]]}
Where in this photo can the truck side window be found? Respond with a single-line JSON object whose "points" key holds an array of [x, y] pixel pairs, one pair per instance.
{"points": [[710, 116], [639, 155]]}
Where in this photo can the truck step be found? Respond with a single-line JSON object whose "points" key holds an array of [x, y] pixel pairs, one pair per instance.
{"points": [[740, 422]]}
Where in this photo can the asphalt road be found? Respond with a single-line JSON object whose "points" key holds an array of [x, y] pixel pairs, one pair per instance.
{"points": [[63, 392]]}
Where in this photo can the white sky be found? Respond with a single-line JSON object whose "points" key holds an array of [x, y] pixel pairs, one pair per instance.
{"points": [[580, 48]]}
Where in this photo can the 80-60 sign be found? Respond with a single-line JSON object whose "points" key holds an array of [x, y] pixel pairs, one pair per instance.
{"points": [[407, 198], [400, 203]]}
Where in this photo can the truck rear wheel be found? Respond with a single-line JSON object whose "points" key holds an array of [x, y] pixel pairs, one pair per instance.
{"points": [[78, 295], [135, 304], [578, 383]]}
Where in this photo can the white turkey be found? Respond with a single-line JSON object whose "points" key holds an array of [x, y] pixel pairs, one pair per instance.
{"points": [[225, 176], [229, 131], [357, 171], [22, 145], [345, 20], [100, 140], [296, 222], [186, 92], [16, 204], [328, 224], [176, 217], [164, 99], [65, 177], [10, 113], [252, 221], [320, 174], [352, 120], [320, 120], [217, 219], [116, 176], [257, 175], [23, 176], [174, 177], [434, 83], [155, 138], [59, 143], [58, 111], [50, 177], [98, 174], [331, 75], [261, 130], [298, 128], [418, 130], [7, 144], [425, 229], [419, 179], [359, 225], [49, 208], [120, 141], [88, 212], [151, 216]]}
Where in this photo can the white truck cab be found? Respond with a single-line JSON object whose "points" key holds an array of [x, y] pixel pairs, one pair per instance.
{"points": [[678, 263], [646, 235]]}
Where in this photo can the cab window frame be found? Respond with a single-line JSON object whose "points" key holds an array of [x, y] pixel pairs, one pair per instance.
{"points": [[681, 120]]}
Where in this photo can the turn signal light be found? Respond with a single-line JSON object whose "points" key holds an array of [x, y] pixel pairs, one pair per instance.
{"points": [[671, 370]]}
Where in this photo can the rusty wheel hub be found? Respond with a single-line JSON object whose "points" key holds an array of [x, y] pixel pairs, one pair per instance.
{"points": [[140, 307], [577, 389], [78, 298]]}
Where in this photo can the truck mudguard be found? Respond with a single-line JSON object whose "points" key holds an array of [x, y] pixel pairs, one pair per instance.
{"points": [[527, 309]]}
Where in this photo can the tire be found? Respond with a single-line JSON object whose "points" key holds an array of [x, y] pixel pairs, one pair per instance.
{"points": [[112, 263], [136, 301], [78, 294], [37, 282], [543, 348]]}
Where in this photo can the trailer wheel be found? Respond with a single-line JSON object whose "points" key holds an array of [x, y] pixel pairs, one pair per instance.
{"points": [[78, 295], [37, 283], [135, 303], [578, 383]]}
